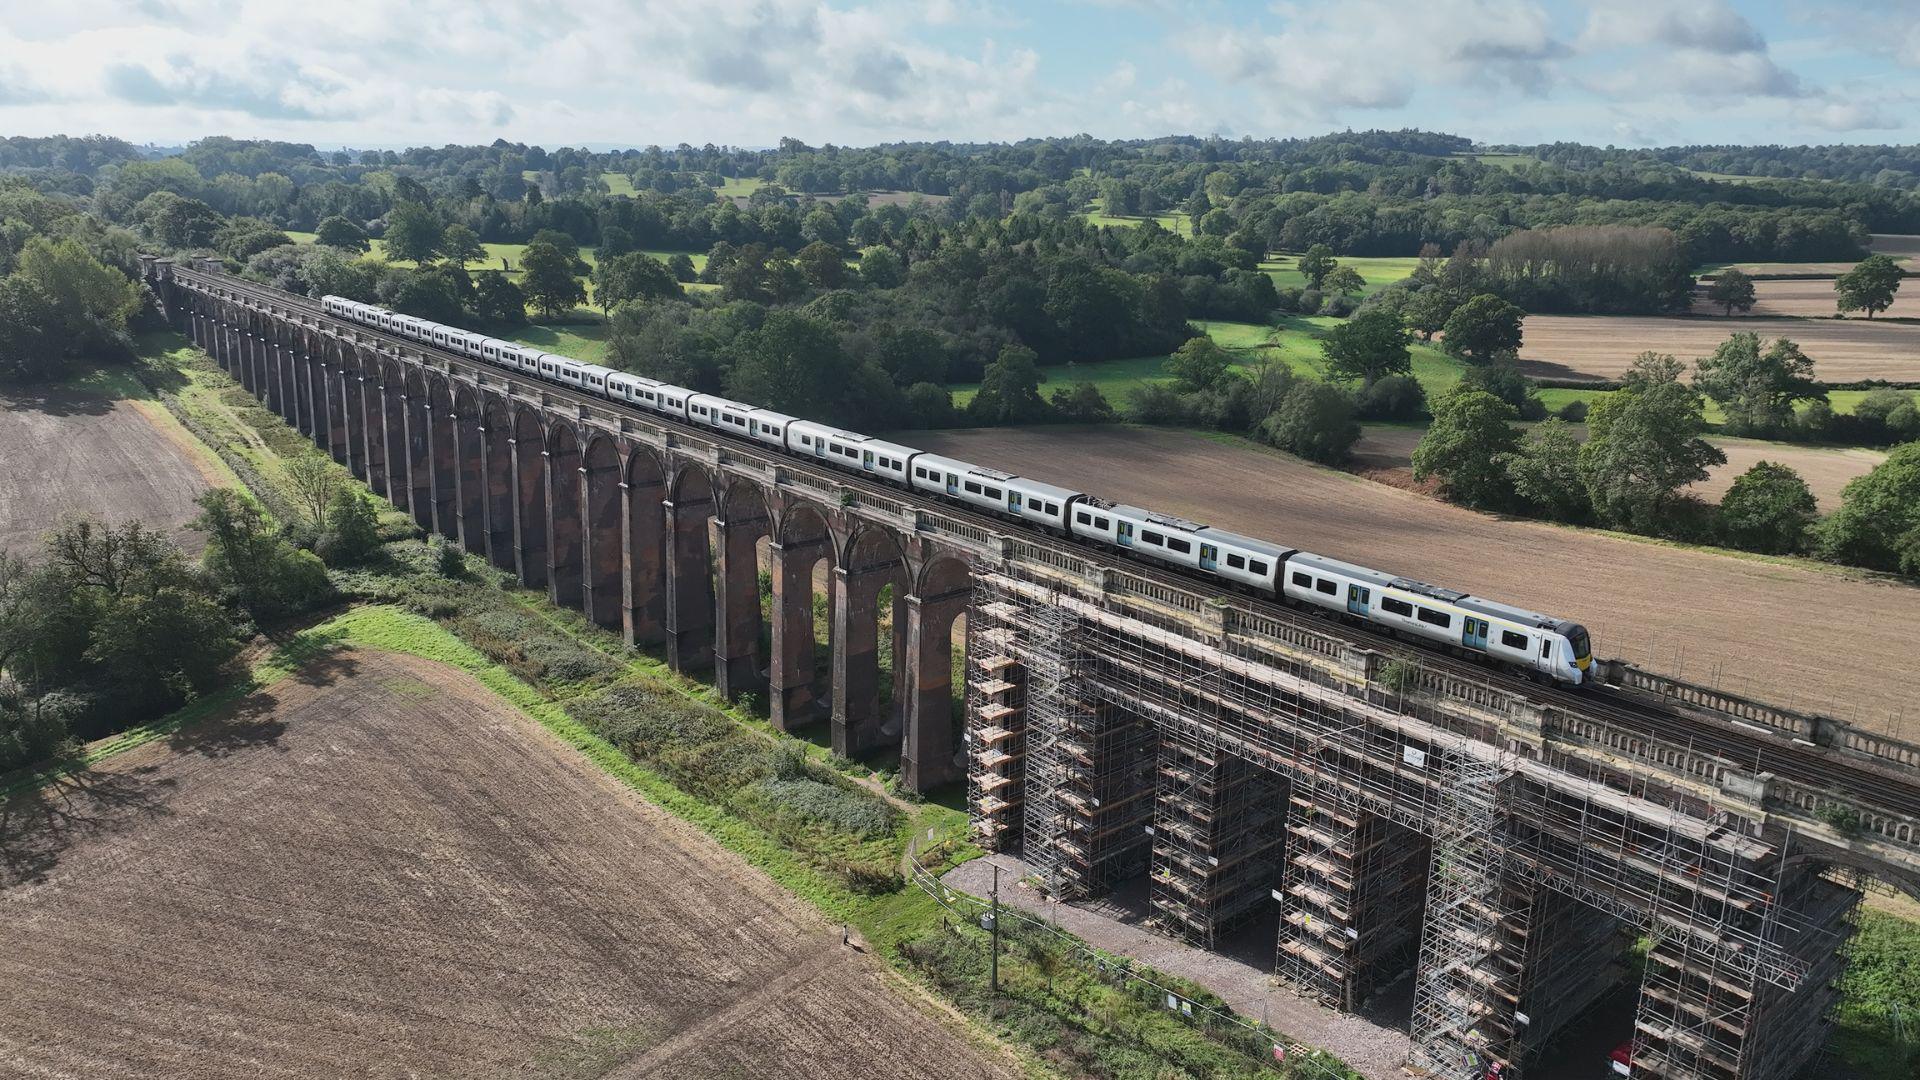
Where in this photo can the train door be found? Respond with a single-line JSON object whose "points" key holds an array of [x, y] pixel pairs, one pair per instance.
{"points": [[1358, 599], [953, 484], [1014, 501], [1123, 532], [1474, 633], [866, 460], [1209, 557]]}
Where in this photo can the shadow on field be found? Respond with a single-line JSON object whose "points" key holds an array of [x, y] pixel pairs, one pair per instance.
{"points": [[247, 723], [1549, 369], [54, 401], [38, 825]]}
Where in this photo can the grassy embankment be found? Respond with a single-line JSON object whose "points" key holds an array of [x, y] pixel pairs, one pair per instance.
{"points": [[815, 823]]}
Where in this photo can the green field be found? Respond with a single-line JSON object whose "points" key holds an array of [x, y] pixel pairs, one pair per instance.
{"points": [[513, 252], [740, 187], [1173, 222], [1377, 271], [1295, 343], [618, 183], [585, 341]]}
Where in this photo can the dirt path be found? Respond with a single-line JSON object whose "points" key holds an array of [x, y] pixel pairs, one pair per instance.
{"points": [[72, 452], [380, 869], [1794, 635], [1603, 346]]}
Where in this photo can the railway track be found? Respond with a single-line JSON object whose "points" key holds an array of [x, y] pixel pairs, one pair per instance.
{"points": [[1739, 745]]}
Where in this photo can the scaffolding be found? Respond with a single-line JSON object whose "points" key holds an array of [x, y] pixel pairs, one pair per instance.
{"points": [[1572, 956], [996, 729], [1352, 892], [1216, 835]]}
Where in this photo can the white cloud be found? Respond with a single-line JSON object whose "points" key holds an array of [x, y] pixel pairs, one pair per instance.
{"points": [[1710, 26]]}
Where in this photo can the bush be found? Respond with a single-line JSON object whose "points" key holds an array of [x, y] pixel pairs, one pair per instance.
{"points": [[352, 532], [1158, 403], [1574, 412], [1339, 306], [1315, 421], [816, 802], [1394, 397], [1768, 509], [448, 559], [1308, 302]]}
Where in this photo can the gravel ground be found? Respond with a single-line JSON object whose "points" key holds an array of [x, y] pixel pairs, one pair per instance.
{"points": [[1241, 973]]}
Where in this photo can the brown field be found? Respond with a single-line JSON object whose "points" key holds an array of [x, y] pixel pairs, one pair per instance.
{"points": [[1803, 299], [378, 868], [69, 452], [1796, 635], [1385, 453], [1603, 346]]}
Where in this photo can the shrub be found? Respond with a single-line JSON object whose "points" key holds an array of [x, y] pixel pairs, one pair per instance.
{"points": [[1394, 397], [1768, 509], [1574, 412], [1315, 421]]}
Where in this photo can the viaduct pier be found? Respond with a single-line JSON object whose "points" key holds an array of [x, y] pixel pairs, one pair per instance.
{"points": [[1384, 809]]}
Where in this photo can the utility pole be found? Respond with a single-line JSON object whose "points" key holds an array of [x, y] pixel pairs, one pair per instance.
{"points": [[994, 966]]}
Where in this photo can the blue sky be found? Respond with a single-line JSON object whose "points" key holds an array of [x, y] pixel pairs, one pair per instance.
{"points": [[747, 72]]}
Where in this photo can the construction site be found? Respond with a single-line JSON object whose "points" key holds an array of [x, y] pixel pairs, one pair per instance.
{"points": [[1383, 841]]}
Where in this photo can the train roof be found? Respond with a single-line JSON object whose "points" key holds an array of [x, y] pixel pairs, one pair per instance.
{"points": [[1464, 601], [1248, 543]]}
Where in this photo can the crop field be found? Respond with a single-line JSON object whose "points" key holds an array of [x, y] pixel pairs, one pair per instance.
{"points": [[1786, 631], [1804, 299], [97, 447], [1603, 346], [1377, 272], [376, 867]]}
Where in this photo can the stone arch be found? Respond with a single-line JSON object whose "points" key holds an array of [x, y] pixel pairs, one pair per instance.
{"points": [[442, 457], [740, 523], [643, 533], [871, 563], [419, 442], [930, 750], [600, 481], [497, 481], [529, 497], [469, 478], [393, 431], [689, 507], [802, 540], [565, 547]]}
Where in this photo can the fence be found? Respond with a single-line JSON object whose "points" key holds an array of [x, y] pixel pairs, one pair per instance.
{"points": [[1296, 1059]]}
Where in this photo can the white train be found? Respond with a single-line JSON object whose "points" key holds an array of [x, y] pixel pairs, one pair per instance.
{"points": [[1540, 645]]}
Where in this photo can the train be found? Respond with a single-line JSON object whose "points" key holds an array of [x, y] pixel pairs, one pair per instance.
{"points": [[1543, 647]]}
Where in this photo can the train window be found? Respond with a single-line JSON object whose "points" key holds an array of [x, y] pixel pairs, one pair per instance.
{"points": [[1325, 586], [972, 488], [1435, 618], [993, 493], [1512, 640], [1398, 607], [1546, 647], [1181, 546], [1083, 518], [1100, 523], [773, 431], [1235, 562], [1151, 537], [1305, 581], [806, 441], [1258, 568]]}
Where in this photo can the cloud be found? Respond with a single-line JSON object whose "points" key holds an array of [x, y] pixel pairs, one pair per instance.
{"points": [[1844, 116], [1712, 26]]}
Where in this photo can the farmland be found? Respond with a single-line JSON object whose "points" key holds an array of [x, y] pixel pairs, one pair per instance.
{"points": [[1906, 249], [1601, 347], [1735, 608], [380, 849], [1803, 299], [98, 447]]}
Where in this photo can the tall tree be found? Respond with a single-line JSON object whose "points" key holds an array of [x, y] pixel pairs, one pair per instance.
{"points": [[1878, 523], [1372, 344], [461, 246], [1732, 288], [1545, 471], [1466, 448], [1200, 364], [1483, 328], [1010, 391], [823, 265], [793, 364], [633, 276], [338, 232], [1870, 285], [1315, 420], [1316, 263], [1344, 281], [413, 234], [547, 279], [1757, 387], [1768, 509], [1644, 445]]}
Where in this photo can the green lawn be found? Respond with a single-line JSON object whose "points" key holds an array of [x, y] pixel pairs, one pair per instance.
{"points": [[618, 183], [1174, 222], [1503, 161], [300, 237], [1377, 271], [740, 186], [1295, 343], [581, 341]]}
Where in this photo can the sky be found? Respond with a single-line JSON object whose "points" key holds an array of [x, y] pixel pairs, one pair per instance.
{"points": [[616, 73]]}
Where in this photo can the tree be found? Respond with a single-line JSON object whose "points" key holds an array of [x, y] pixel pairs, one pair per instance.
{"points": [[1466, 448], [1083, 403], [1200, 364], [338, 232], [1732, 288], [633, 276], [615, 240], [1503, 380], [460, 245], [1316, 264], [1315, 421], [1878, 523], [1756, 388], [1010, 390], [1428, 310], [547, 279], [1372, 344], [1482, 329], [31, 337], [1870, 285], [267, 575], [1393, 397], [881, 268], [497, 299], [792, 364], [1545, 472], [1768, 509], [822, 265], [413, 233], [1343, 281], [682, 266], [314, 481], [1644, 445], [352, 533]]}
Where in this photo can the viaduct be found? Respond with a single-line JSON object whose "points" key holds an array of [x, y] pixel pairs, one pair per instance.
{"points": [[1382, 810]]}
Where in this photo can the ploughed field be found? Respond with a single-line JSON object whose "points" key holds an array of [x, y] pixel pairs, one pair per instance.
{"points": [[1602, 347], [72, 451], [1793, 635], [1804, 299], [378, 868]]}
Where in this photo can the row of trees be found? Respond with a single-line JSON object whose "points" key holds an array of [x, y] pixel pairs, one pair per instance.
{"points": [[68, 287]]}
